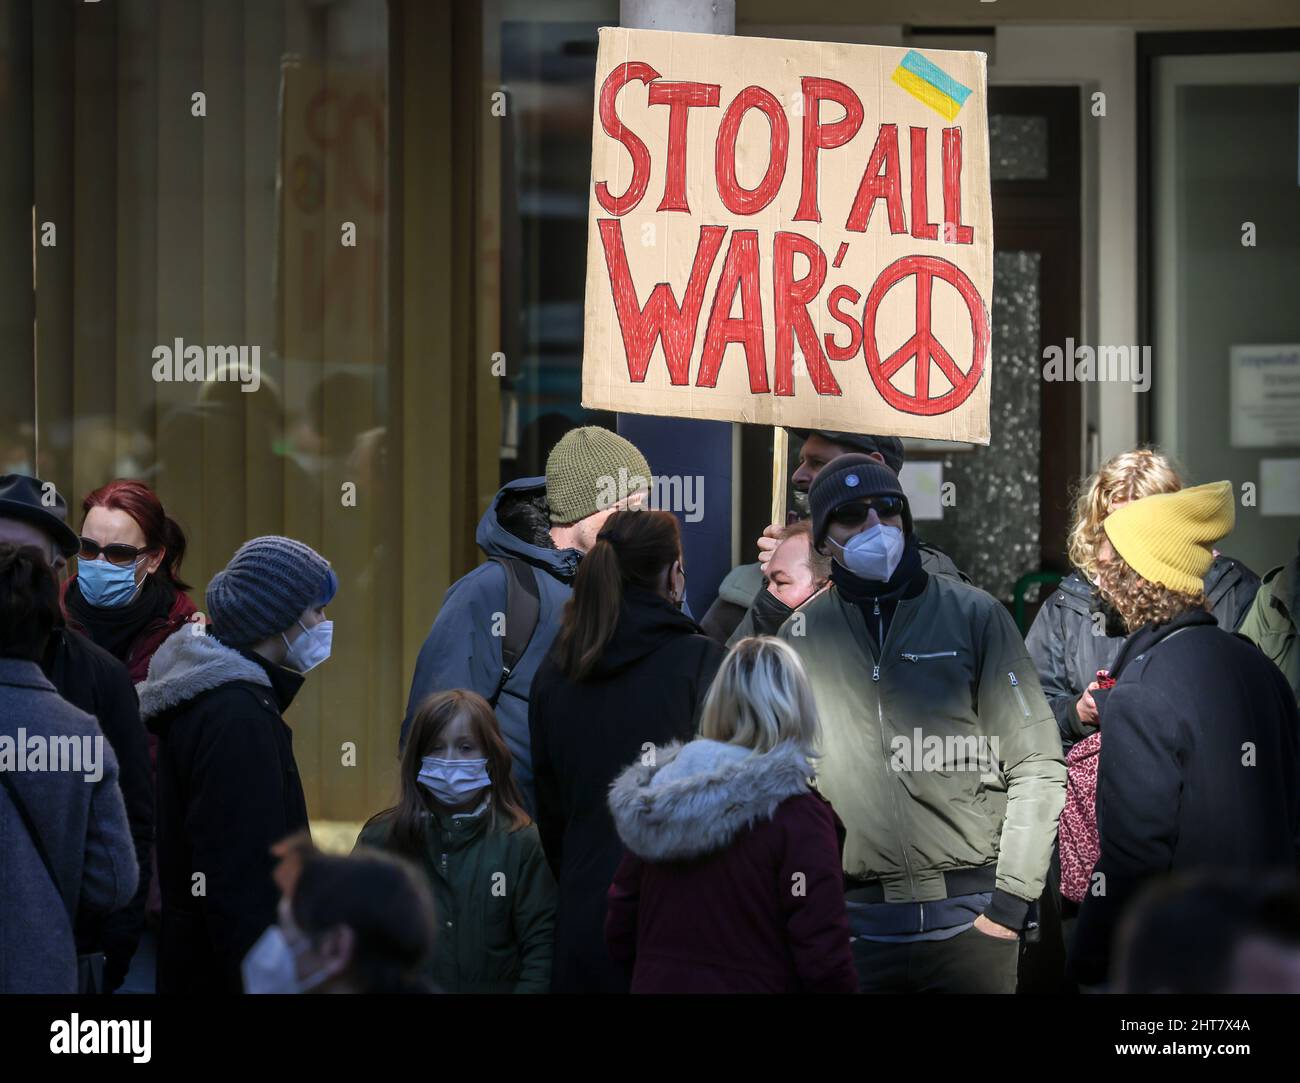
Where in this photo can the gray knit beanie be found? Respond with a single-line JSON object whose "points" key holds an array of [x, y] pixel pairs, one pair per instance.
{"points": [[265, 588]]}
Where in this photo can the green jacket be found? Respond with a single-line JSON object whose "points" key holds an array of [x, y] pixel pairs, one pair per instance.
{"points": [[495, 899], [903, 736], [1271, 621]]}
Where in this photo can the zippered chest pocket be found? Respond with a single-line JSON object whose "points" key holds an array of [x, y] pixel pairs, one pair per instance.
{"points": [[1020, 695], [939, 671]]}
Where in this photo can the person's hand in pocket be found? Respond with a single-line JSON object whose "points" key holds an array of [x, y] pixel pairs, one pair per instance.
{"points": [[993, 929]]}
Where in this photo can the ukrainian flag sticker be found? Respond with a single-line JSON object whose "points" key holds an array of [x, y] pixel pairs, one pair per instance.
{"points": [[929, 83]]}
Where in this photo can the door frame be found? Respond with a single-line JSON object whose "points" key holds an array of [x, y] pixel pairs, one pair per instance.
{"points": [[1047, 216], [1150, 48]]}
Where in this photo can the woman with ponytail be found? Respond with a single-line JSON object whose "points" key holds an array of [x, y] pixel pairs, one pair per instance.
{"points": [[128, 595], [628, 672]]}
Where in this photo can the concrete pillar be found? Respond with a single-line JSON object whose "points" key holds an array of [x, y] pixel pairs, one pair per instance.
{"points": [[694, 16], [673, 446]]}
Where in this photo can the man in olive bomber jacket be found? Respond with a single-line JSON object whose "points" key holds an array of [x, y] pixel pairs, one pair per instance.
{"points": [[939, 751]]}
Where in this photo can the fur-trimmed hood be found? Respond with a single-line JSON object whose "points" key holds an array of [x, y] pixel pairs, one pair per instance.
{"points": [[187, 665], [699, 796]]}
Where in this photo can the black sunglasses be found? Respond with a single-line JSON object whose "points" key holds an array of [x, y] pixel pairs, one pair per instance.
{"points": [[855, 514], [115, 553]]}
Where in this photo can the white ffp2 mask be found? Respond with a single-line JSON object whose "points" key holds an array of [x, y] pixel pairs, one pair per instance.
{"points": [[874, 554], [311, 648]]}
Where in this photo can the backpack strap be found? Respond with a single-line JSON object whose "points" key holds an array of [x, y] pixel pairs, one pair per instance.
{"points": [[523, 607]]}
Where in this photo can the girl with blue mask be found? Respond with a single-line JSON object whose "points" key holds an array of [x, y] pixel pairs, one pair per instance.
{"points": [[461, 818]]}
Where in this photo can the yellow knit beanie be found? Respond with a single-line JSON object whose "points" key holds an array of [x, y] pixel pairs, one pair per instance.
{"points": [[1166, 538]]}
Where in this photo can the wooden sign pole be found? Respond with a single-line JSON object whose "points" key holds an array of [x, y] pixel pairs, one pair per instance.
{"points": [[780, 449]]}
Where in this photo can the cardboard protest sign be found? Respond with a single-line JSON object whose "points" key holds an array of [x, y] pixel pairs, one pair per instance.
{"points": [[791, 233]]}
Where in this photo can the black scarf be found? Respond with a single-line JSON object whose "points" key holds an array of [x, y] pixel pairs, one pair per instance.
{"points": [[116, 628], [1115, 628]]}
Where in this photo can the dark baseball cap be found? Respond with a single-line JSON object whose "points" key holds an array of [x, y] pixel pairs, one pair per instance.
{"points": [[890, 448], [28, 499]]}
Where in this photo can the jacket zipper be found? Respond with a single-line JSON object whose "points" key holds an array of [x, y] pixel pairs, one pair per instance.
{"points": [[880, 627], [1020, 696], [932, 654], [893, 790]]}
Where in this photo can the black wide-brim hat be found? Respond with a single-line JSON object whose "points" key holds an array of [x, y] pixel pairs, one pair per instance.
{"points": [[845, 479], [36, 502]]}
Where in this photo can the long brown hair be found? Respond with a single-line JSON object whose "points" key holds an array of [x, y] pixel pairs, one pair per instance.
{"points": [[407, 819], [632, 549]]}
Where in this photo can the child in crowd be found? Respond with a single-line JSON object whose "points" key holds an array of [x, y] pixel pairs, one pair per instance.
{"points": [[460, 817]]}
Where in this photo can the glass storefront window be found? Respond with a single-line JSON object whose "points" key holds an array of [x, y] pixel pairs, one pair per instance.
{"points": [[548, 67], [1227, 245], [212, 316]]}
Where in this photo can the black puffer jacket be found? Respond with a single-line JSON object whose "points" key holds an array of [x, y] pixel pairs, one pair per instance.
{"points": [[1200, 769], [1075, 634], [646, 690], [228, 789]]}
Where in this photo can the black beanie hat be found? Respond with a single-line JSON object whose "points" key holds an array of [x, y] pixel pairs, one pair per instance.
{"points": [[845, 479]]}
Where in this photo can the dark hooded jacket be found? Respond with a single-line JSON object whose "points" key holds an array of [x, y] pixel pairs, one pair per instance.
{"points": [[1075, 634], [462, 651], [646, 690], [731, 882], [228, 789], [1200, 769]]}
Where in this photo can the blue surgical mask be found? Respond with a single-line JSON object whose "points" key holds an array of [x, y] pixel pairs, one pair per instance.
{"points": [[271, 966], [873, 554], [106, 585], [453, 782]]}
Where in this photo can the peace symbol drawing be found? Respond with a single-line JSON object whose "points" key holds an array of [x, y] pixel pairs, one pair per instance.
{"points": [[923, 346]]}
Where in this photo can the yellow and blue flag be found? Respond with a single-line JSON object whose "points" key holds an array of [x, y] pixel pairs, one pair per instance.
{"points": [[930, 84]]}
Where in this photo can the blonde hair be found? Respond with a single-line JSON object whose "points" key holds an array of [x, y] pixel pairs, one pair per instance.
{"points": [[1128, 476], [760, 698], [1139, 601]]}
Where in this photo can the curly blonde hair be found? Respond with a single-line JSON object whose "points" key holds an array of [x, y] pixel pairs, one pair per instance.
{"points": [[1128, 476], [1139, 601]]}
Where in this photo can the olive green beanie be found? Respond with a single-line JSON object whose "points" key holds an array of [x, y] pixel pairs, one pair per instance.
{"points": [[590, 470]]}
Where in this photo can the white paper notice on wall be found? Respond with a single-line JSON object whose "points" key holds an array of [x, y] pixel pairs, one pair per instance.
{"points": [[923, 484], [1265, 395], [1279, 486]]}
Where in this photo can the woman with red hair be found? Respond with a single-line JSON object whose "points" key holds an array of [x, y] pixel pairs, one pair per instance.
{"points": [[127, 594]]}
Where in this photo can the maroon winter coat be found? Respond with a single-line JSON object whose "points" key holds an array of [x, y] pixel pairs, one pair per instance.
{"points": [[732, 880]]}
